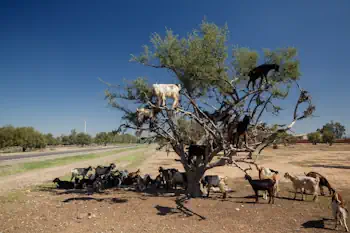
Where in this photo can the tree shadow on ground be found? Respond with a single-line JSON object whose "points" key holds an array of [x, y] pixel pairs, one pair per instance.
{"points": [[330, 166], [164, 210], [111, 200], [318, 224]]}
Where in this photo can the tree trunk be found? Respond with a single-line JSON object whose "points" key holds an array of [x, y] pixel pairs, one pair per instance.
{"points": [[24, 149], [193, 179]]}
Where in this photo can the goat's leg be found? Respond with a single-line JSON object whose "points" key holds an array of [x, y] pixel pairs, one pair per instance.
{"points": [[295, 193], [72, 177], [345, 225], [321, 190], [336, 222], [302, 194], [208, 190], [164, 100], [265, 195], [256, 196], [315, 196], [222, 189]]}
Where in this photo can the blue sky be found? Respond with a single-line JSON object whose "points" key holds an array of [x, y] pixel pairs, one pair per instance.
{"points": [[52, 52]]}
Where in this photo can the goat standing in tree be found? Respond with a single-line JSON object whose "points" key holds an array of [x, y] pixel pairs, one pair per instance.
{"points": [[161, 91], [260, 72], [242, 128]]}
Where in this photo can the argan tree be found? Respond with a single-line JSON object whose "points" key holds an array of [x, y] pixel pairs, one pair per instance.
{"points": [[214, 95]]}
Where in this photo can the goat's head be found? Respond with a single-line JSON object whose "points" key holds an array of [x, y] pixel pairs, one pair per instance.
{"points": [[56, 180], [246, 119], [287, 175], [112, 166], [89, 168], [247, 177], [160, 169]]}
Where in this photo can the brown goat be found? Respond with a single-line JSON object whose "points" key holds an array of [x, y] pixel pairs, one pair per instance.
{"points": [[323, 182]]}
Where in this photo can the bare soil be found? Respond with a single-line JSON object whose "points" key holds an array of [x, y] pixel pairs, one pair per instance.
{"points": [[117, 210]]}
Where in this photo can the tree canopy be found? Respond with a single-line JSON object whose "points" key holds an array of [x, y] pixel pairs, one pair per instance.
{"points": [[213, 95], [336, 128]]}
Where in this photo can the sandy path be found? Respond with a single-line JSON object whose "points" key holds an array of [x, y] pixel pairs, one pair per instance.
{"points": [[23, 180]]}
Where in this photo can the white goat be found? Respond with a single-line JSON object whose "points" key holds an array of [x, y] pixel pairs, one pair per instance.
{"points": [[339, 211], [304, 183], [167, 90], [267, 173]]}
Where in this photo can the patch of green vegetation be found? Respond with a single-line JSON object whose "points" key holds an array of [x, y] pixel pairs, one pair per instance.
{"points": [[134, 159], [28, 166]]}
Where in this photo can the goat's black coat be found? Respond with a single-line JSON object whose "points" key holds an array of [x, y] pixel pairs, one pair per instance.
{"points": [[323, 182], [102, 170], [196, 150], [264, 184], [167, 175], [242, 128], [81, 171], [62, 184], [261, 72]]}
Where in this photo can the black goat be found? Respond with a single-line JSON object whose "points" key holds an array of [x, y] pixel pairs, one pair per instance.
{"points": [[179, 178], [167, 175], [242, 128], [263, 185], [62, 184], [261, 72], [102, 170], [215, 181], [323, 182], [80, 172], [197, 151]]}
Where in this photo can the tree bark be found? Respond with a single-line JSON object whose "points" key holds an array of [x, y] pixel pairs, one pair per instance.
{"points": [[193, 179]]}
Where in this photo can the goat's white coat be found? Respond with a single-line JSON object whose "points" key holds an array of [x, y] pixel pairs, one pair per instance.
{"points": [[167, 90], [304, 183], [266, 173], [339, 214]]}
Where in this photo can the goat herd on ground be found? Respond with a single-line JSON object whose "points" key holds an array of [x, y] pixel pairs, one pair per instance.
{"points": [[106, 177]]}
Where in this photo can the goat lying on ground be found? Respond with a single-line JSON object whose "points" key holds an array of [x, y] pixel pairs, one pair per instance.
{"points": [[80, 172], [62, 184], [101, 170], [196, 150], [261, 72], [215, 181], [304, 183], [83, 183], [340, 213], [323, 182], [263, 185], [161, 91], [267, 173]]}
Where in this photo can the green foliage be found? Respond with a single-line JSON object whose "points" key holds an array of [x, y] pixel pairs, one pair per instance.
{"points": [[336, 128], [328, 137], [314, 137], [50, 140], [83, 139], [7, 136], [103, 138], [191, 131], [28, 137]]}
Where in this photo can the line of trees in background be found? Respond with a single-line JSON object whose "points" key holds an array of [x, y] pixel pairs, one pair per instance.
{"points": [[327, 134], [29, 138]]}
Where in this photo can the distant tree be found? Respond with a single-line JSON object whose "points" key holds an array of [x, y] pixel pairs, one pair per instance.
{"points": [[314, 137], [328, 137], [103, 138], [66, 140], [83, 139], [51, 140], [7, 136], [73, 137], [336, 128], [28, 137]]}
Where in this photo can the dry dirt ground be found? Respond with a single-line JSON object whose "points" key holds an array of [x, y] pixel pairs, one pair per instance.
{"points": [[49, 210]]}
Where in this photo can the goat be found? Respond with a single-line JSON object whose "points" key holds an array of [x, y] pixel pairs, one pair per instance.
{"points": [[99, 170], [304, 183], [166, 175], [83, 183], [263, 185], [179, 178], [267, 173], [323, 182], [131, 178], [196, 150], [215, 181], [161, 91], [242, 128], [62, 184], [143, 114], [80, 172], [340, 212], [261, 72]]}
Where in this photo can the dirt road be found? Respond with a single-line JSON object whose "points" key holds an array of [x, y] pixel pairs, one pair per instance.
{"points": [[27, 179]]}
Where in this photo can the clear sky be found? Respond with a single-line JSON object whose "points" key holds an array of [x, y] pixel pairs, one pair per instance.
{"points": [[52, 52]]}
